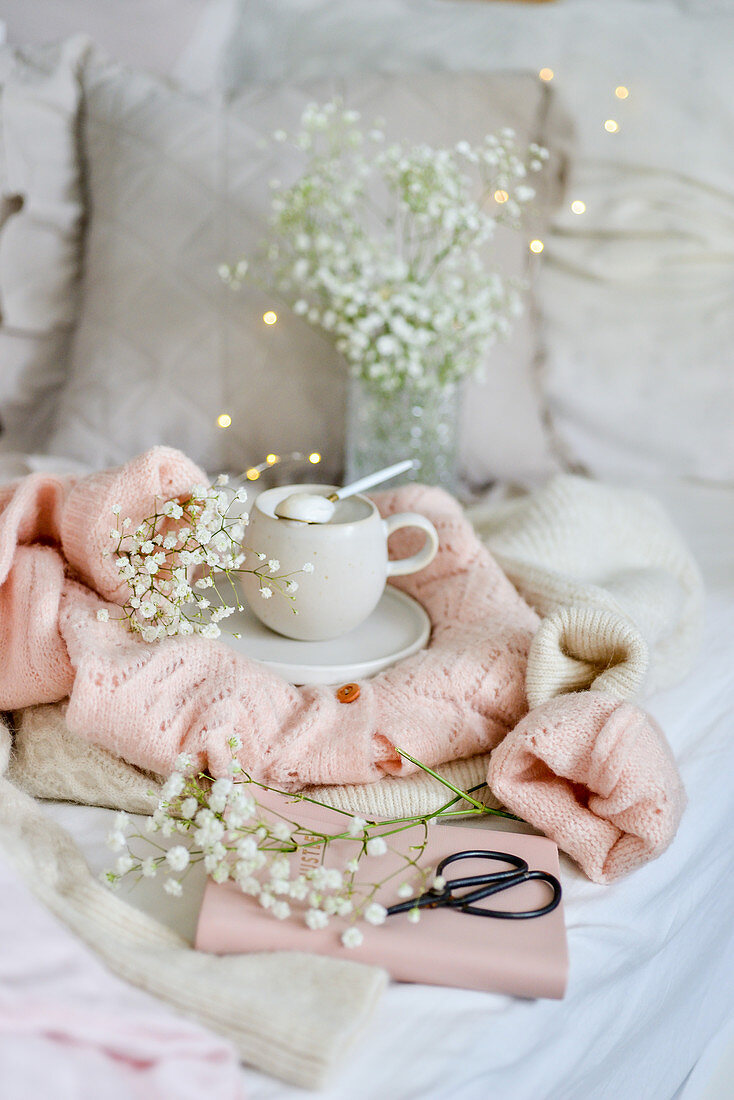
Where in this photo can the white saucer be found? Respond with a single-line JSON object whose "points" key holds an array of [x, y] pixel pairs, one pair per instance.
{"points": [[396, 628]]}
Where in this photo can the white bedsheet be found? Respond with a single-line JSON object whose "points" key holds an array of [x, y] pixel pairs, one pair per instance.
{"points": [[652, 957]]}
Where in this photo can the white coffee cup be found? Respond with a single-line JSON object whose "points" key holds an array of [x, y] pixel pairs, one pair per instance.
{"points": [[349, 559]]}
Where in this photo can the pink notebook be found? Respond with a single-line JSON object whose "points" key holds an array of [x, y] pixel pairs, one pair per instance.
{"points": [[528, 958]]}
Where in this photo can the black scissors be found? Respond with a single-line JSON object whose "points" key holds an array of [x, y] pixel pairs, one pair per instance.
{"points": [[478, 887]]}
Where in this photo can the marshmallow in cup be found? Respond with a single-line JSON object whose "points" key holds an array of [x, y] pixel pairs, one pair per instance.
{"points": [[349, 559]]}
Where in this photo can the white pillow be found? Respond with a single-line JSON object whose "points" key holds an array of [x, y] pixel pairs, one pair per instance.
{"points": [[638, 311], [40, 228], [638, 362], [179, 184]]}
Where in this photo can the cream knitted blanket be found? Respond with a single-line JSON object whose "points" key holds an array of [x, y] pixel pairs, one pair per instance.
{"points": [[620, 595]]}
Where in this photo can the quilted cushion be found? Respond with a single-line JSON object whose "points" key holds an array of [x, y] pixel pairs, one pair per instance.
{"points": [[178, 184]]}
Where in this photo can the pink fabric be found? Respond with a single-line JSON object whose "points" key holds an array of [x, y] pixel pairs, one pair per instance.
{"points": [[148, 703], [71, 1030], [457, 698], [595, 774]]}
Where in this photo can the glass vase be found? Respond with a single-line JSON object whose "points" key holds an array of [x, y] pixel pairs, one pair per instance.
{"points": [[422, 424]]}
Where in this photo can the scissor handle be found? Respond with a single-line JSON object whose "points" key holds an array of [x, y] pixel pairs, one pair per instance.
{"points": [[464, 903], [483, 886], [517, 863]]}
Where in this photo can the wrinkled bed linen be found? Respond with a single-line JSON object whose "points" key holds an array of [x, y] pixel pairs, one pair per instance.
{"points": [[65, 1019]]}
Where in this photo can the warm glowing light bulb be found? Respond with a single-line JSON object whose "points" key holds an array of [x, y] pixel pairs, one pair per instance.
{"points": [[501, 196], [224, 420], [314, 457], [272, 459], [621, 92], [611, 126], [546, 74], [252, 474], [270, 317], [578, 206], [536, 246]]}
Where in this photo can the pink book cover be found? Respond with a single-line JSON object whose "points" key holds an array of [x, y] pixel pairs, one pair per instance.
{"points": [[527, 958]]}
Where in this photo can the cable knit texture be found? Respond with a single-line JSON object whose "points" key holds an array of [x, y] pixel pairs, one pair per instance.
{"points": [[49, 761], [618, 589], [595, 774]]}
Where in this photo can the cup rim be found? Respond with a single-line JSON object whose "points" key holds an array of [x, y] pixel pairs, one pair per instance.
{"points": [[309, 487]]}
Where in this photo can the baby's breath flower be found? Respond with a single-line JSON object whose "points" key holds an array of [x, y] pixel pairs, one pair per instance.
{"points": [[266, 592], [357, 826], [352, 937], [177, 858], [172, 787], [103, 615], [298, 889], [415, 302], [237, 839], [165, 594], [188, 807], [280, 868], [184, 762], [316, 919], [116, 840], [414, 915], [375, 913]]}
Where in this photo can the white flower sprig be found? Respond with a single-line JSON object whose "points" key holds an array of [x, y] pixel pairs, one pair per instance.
{"points": [[174, 561], [386, 248], [224, 824]]}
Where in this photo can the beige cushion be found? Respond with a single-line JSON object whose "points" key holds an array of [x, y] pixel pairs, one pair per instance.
{"points": [[40, 232], [178, 184]]}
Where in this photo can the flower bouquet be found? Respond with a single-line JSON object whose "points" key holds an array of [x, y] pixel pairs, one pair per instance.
{"points": [[387, 248]]}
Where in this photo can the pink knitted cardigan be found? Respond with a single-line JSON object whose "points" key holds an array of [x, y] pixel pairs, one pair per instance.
{"points": [[459, 697]]}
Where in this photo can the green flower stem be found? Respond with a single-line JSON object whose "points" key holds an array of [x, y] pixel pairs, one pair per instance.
{"points": [[462, 794]]}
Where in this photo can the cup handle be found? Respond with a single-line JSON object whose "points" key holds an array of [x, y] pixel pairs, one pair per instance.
{"points": [[427, 552]]}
